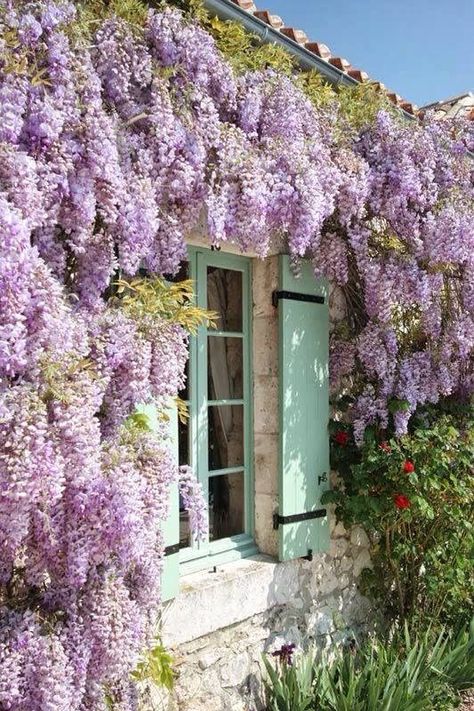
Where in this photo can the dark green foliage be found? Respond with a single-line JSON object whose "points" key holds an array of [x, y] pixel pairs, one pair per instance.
{"points": [[401, 673], [423, 555]]}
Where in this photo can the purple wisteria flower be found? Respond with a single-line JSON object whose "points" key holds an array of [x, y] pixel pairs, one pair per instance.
{"points": [[111, 151]]}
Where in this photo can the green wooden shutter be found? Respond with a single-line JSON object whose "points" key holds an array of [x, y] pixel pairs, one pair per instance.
{"points": [[170, 574], [304, 411]]}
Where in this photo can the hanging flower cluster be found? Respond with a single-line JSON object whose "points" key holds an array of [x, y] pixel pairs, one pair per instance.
{"points": [[111, 150], [405, 263]]}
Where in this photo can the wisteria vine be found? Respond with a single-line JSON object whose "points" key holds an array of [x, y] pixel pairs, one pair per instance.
{"points": [[111, 150]]}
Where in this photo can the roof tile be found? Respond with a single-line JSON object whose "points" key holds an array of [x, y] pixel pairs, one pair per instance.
{"points": [[358, 74], [274, 20], [340, 63], [294, 34], [246, 5], [408, 107], [318, 48], [394, 98]]}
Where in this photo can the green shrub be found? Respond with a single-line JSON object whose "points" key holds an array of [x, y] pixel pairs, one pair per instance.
{"points": [[400, 673], [420, 522]]}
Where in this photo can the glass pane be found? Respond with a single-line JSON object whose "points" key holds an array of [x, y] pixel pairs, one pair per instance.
{"points": [[226, 436], [224, 296], [184, 528], [184, 392], [183, 442], [225, 368], [181, 274], [226, 505]]}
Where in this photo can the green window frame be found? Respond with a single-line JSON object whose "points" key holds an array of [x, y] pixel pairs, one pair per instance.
{"points": [[206, 554]]}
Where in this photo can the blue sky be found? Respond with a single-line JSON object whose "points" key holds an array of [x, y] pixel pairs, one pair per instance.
{"points": [[422, 49]]}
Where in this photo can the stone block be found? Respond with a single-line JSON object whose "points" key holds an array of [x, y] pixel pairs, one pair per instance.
{"points": [[265, 281], [320, 622], [362, 561], [265, 389], [328, 583], [339, 530], [188, 686], [265, 536], [265, 345], [359, 537], [209, 658], [338, 547], [346, 564], [286, 583], [234, 672], [344, 581], [215, 601], [266, 463], [337, 304]]}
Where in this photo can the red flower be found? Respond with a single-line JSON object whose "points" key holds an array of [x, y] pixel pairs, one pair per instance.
{"points": [[408, 467], [401, 501], [385, 446], [341, 438]]}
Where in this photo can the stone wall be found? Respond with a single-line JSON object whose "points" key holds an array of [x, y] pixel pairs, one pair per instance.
{"points": [[224, 620]]}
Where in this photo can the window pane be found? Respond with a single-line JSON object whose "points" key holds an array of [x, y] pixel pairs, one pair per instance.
{"points": [[184, 392], [226, 436], [226, 505], [183, 442], [184, 528], [181, 274], [225, 368], [224, 296]]}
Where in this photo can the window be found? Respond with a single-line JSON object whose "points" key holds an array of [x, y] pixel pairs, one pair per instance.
{"points": [[217, 439]]}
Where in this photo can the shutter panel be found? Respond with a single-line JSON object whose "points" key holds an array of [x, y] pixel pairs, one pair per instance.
{"points": [[170, 574], [304, 411]]}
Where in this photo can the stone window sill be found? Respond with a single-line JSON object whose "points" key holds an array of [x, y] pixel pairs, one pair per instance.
{"points": [[210, 601]]}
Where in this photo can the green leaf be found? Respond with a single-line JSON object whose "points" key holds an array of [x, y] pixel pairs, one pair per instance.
{"points": [[396, 405]]}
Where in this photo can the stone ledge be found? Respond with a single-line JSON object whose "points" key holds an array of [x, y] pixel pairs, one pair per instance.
{"points": [[237, 591]]}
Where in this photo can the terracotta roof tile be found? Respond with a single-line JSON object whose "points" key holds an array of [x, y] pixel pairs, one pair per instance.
{"points": [[340, 63], [358, 74], [274, 20], [246, 5], [394, 98], [296, 35], [408, 107], [318, 48]]}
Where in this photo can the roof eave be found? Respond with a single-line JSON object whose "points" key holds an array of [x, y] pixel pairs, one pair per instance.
{"points": [[228, 10]]}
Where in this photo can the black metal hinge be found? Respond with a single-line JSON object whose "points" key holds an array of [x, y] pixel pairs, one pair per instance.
{"points": [[296, 518], [171, 550], [295, 296]]}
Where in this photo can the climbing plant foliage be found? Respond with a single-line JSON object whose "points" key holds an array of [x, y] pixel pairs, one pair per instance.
{"points": [[121, 127]]}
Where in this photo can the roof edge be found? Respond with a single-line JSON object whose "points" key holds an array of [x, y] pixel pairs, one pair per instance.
{"points": [[334, 69]]}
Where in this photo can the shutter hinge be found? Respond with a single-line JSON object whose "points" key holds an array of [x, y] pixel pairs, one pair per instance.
{"points": [[296, 518], [295, 296]]}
